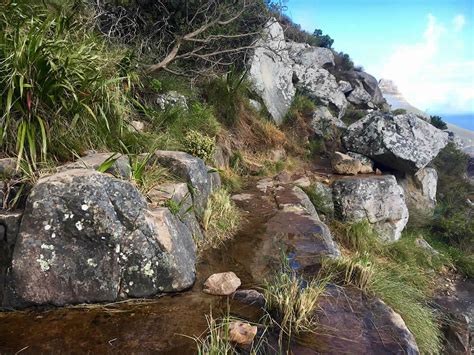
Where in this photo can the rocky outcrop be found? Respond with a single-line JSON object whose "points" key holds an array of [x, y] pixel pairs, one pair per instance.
{"points": [[345, 86], [194, 171], [324, 124], [271, 71], [344, 164], [371, 86], [171, 99], [378, 200], [420, 190], [88, 237], [404, 142], [308, 56], [359, 96]]}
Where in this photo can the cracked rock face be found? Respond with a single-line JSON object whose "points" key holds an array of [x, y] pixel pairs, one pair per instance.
{"points": [[403, 142], [420, 190], [379, 200], [88, 237]]}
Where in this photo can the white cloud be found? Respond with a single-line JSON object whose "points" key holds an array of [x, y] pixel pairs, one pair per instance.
{"points": [[458, 22], [429, 72]]}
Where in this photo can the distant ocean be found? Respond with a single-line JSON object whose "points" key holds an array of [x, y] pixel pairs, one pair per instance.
{"points": [[463, 121]]}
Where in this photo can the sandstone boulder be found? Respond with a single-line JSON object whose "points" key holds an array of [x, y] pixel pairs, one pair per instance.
{"points": [[242, 333], [222, 284], [345, 164], [403, 142], [271, 72], [378, 199], [194, 171], [88, 237]]}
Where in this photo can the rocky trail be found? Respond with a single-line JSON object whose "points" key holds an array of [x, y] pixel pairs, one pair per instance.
{"points": [[278, 218]]}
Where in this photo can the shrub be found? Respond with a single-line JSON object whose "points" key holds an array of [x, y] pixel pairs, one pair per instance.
{"points": [[357, 270], [199, 145], [353, 115], [399, 111], [438, 122], [61, 87], [221, 219]]}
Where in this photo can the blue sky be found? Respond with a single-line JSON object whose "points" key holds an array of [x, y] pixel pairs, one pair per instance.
{"points": [[425, 46]]}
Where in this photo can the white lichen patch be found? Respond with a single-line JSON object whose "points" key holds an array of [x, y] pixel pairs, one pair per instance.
{"points": [[67, 216], [84, 207], [44, 264], [147, 270], [130, 283], [133, 268], [47, 247], [53, 235], [91, 262], [47, 227], [117, 248], [79, 226]]}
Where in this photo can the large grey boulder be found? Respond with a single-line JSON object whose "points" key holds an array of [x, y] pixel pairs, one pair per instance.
{"points": [[308, 56], [344, 164], [321, 85], [271, 71], [420, 190], [403, 142], [89, 237], [194, 171], [371, 85], [378, 200], [325, 124], [359, 96], [345, 86]]}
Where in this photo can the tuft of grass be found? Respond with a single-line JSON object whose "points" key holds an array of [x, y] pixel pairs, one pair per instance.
{"points": [[220, 220], [293, 300], [359, 237], [217, 339], [231, 181], [321, 202]]}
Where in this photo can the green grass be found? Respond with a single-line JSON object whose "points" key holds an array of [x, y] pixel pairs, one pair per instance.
{"points": [[221, 219], [292, 301], [62, 88], [217, 338]]}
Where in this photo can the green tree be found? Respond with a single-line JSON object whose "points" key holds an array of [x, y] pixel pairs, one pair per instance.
{"points": [[324, 41], [438, 122]]}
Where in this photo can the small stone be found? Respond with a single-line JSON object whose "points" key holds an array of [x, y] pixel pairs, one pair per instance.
{"points": [[242, 333], [378, 172], [222, 284], [345, 165], [249, 297]]}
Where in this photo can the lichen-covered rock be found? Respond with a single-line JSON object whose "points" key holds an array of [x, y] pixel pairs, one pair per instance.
{"points": [[345, 86], [271, 71], [371, 85], [308, 56], [324, 193], [161, 195], [347, 165], [170, 99], [366, 161], [420, 190], [89, 237], [194, 171], [403, 142], [120, 165], [295, 200], [7, 167], [319, 84], [359, 96], [378, 200], [325, 124]]}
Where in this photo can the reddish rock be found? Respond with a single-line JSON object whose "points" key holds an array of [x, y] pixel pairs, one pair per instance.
{"points": [[222, 284]]}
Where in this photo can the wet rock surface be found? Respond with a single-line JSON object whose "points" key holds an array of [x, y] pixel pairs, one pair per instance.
{"points": [[351, 322], [88, 237], [377, 199], [404, 142]]}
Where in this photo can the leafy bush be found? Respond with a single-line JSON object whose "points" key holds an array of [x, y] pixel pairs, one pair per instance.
{"points": [[353, 115], [399, 111], [199, 145], [61, 88], [321, 40], [438, 122]]}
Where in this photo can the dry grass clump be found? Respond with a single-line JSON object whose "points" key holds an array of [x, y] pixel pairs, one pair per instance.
{"points": [[220, 220]]}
